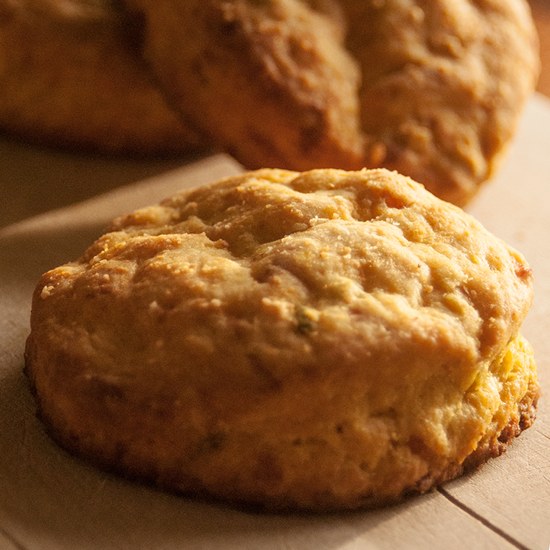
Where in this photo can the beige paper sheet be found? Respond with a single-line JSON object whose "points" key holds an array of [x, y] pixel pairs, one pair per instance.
{"points": [[49, 499]]}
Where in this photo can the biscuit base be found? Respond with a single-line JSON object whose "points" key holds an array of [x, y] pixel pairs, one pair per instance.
{"points": [[491, 445]]}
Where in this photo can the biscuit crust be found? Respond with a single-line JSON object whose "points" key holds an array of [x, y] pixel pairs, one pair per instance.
{"points": [[71, 76], [323, 340]]}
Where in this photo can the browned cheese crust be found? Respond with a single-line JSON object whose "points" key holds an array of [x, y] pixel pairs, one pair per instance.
{"points": [[433, 89], [71, 75], [322, 340]]}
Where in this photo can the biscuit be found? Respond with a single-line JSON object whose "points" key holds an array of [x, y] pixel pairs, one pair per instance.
{"points": [[319, 340], [70, 76], [431, 89], [444, 84], [268, 81]]}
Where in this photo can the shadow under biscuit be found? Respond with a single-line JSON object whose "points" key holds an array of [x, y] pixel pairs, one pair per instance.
{"points": [[35, 179]]}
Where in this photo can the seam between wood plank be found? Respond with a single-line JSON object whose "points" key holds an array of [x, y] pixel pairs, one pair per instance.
{"points": [[481, 519], [12, 540]]}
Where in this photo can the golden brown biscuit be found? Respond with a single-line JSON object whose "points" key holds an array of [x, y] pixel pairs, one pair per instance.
{"points": [[444, 84], [268, 81], [321, 340], [70, 75]]}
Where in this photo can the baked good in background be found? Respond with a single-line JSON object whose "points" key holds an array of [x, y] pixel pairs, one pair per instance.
{"points": [[441, 87], [270, 82], [431, 89], [318, 340], [70, 76]]}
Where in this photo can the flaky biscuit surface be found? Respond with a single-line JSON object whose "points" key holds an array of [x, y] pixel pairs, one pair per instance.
{"points": [[320, 340]]}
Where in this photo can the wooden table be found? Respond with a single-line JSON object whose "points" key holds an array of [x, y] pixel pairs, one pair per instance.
{"points": [[49, 500], [541, 13]]}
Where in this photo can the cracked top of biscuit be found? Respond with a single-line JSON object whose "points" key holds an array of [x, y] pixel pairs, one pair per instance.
{"points": [[367, 264]]}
